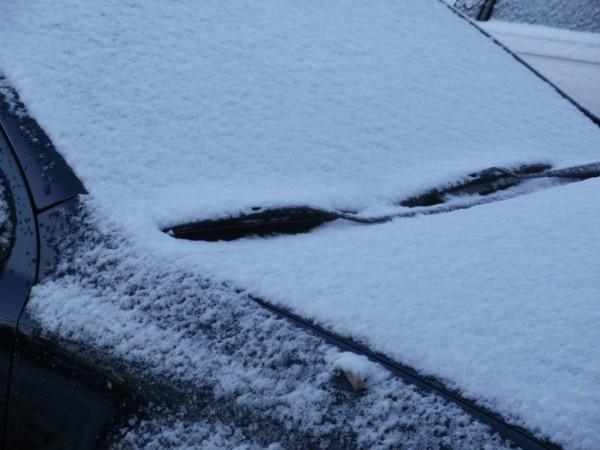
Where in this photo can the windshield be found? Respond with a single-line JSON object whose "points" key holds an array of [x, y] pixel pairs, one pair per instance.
{"points": [[281, 106]]}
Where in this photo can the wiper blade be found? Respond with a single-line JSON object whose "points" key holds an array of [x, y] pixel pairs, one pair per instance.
{"points": [[483, 183], [476, 190], [582, 172], [497, 178], [261, 222]]}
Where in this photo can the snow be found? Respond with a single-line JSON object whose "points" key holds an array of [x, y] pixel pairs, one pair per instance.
{"points": [[5, 222], [357, 369], [570, 59], [9, 97], [580, 15], [469, 8], [587, 42], [500, 300], [234, 373], [173, 112], [178, 114]]}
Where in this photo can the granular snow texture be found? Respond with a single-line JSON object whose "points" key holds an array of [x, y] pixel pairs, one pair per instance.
{"points": [[179, 111]]}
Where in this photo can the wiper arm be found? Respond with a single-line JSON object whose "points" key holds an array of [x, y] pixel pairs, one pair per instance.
{"points": [[582, 172], [300, 219], [497, 178], [261, 222]]}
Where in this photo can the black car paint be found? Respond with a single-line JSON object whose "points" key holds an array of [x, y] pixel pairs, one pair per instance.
{"points": [[49, 397], [53, 398], [18, 271]]}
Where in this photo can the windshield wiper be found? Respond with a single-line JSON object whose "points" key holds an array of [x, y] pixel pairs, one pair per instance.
{"points": [[483, 183], [261, 222], [496, 178], [475, 190]]}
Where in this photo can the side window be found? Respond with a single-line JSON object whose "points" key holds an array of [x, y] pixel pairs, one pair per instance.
{"points": [[6, 219]]}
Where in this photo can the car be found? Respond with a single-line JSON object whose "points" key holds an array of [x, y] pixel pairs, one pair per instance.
{"points": [[279, 225]]}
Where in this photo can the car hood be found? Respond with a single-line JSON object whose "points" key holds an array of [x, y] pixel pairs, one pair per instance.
{"points": [[171, 114]]}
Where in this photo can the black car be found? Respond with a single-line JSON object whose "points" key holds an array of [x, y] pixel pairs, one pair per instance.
{"points": [[317, 231]]}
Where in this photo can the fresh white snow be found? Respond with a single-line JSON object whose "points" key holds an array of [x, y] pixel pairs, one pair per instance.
{"points": [[172, 112], [236, 373], [179, 113], [570, 59], [501, 300]]}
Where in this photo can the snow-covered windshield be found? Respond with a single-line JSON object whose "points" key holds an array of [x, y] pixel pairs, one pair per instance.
{"points": [[193, 111], [174, 112]]}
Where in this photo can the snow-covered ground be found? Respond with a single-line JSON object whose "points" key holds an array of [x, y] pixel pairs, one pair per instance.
{"points": [[177, 112]]}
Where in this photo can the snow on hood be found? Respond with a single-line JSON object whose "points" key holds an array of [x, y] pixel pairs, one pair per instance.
{"points": [[501, 301], [172, 112]]}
